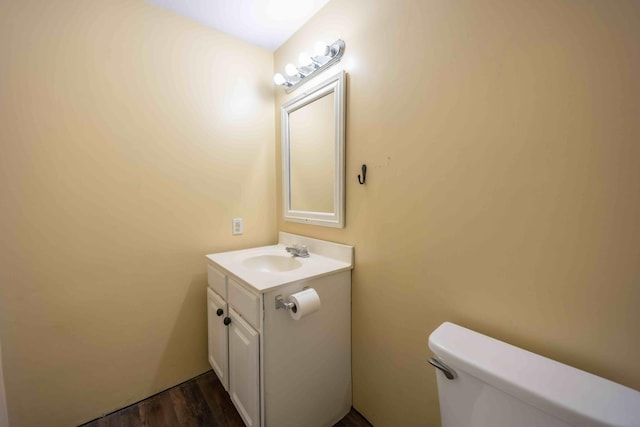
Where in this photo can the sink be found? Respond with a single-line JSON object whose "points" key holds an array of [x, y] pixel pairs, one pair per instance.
{"points": [[271, 263], [265, 268]]}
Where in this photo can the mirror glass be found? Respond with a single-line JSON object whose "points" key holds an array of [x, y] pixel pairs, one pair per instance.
{"points": [[313, 155]]}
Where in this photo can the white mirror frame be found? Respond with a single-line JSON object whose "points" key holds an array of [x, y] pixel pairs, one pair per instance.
{"points": [[337, 85]]}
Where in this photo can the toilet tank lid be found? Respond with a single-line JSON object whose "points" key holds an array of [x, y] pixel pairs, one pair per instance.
{"points": [[572, 395]]}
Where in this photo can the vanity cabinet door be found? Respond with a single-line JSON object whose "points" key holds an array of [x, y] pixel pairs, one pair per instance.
{"points": [[218, 336], [244, 374]]}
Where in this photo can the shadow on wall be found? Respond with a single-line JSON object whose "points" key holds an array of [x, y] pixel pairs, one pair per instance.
{"points": [[181, 349]]}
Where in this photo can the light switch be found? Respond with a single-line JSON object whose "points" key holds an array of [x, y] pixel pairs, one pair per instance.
{"points": [[237, 227]]}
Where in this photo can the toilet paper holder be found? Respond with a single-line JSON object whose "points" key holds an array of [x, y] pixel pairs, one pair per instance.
{"points": [[281, 303], [288, 306]]}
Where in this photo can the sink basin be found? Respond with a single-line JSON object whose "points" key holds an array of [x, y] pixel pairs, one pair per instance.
{"points": [[270, 263], [265, 268]]}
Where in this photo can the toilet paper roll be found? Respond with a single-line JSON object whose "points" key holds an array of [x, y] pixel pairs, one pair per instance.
{"points": [[306, 302]]}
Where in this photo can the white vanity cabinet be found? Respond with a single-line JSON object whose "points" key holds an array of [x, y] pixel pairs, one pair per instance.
{"points": [[234, 344], [218, 336], [279, 371], [244, 369]]}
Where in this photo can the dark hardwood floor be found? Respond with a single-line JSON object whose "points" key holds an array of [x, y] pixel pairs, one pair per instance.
{"points": [[200, 402]]}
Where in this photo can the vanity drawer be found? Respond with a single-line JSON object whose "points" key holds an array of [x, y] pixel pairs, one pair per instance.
{"points": [[246, 303], [217, 281]]}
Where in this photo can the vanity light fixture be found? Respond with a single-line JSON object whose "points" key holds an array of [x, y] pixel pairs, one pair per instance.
{"points": [[280, 80], [310, 66]]}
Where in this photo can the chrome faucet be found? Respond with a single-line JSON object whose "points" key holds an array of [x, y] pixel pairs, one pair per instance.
{"points": [[298, 250]]}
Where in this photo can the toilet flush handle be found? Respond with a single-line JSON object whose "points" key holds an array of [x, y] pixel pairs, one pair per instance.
{"points": [[447, 371]]}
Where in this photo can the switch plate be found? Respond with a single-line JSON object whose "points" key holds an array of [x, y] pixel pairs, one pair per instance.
{"points": [[236, 226]]}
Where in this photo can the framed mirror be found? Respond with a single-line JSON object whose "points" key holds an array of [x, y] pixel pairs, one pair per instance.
{"points": [[313, 129]]}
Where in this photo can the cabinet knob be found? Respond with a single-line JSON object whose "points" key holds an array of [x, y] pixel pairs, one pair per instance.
{"points": [[227, 320], [219, 312]]}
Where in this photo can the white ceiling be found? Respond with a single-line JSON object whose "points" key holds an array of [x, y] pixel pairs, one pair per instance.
{"points": [[266, 23]]}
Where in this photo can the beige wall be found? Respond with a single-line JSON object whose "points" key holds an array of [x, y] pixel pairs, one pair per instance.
{"points": [[503, 185], [130, 137]]}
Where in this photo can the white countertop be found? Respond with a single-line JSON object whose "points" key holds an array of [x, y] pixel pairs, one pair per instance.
{"points": [[340, 258]]}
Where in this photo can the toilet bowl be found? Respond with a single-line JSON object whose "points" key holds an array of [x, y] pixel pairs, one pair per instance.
{"points": [[483, 382]]}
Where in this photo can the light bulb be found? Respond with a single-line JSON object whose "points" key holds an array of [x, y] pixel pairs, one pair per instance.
{"points": [[279, 79], [321, 49], [291, 70], [305, 59]]}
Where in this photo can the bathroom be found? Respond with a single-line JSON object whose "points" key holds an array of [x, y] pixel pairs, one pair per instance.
{"points": [[500, 139]]}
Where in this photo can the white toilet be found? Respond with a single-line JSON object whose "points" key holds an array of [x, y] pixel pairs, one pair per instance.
{"points": [[483, 382]]}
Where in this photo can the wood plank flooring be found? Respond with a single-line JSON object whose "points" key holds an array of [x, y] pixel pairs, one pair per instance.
{"points": [[200, 402]]}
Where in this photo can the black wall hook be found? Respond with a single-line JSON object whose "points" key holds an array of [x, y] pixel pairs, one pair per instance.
{"points": [[364, 175]]}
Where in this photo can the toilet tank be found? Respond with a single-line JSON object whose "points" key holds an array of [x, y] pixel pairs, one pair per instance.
{"points": [[496, 384]]}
